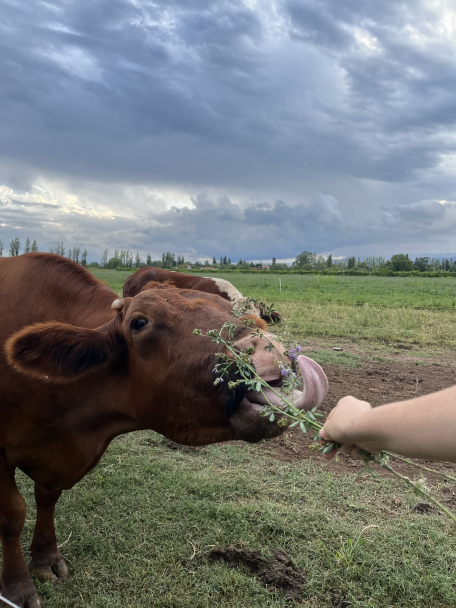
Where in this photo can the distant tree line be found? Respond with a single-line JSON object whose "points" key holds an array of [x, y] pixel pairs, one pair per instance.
{"points": [[402, 261], [399, 262], [124, 258], [305, 261], [59, 249], [15, 246], [308, 260], [73, 254]]}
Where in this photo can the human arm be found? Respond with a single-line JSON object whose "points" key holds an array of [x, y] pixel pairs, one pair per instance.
{"points": [[424, 427]]}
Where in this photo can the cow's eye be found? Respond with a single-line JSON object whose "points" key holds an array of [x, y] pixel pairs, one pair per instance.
{"points": [[139, 324]]}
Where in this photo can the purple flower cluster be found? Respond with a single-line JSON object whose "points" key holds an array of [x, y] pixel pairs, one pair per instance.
{"points": [[286, 372], [293, 352]]}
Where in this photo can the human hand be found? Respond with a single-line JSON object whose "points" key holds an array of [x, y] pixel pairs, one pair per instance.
{"points": [[342, 424]]}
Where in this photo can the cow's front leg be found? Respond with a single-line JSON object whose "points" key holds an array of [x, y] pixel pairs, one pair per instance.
{"points": [[47, 561], [15, 582]]}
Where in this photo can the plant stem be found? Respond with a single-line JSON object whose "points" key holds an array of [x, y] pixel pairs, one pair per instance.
{"points": [[420, 466], [408, 482]]}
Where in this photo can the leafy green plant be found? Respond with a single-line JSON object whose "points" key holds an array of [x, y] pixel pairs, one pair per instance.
{"points": [[350, 548]]}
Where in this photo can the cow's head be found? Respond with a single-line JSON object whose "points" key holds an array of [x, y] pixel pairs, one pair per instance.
{"points": [[165, 371]]}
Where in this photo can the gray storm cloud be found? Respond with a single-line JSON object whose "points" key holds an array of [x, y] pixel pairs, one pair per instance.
{"points": [[427, 213], [421, 212], [178, 124]]}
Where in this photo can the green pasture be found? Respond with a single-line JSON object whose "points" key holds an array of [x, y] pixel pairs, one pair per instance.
{"points": [[114, 278], [137, 532], [352, 291], [383, 309]]}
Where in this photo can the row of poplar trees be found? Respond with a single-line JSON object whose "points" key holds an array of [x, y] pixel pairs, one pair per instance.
{"points": [[15, 246]]}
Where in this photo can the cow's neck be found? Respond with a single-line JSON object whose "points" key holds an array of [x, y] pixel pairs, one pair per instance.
{"points": [[77, 426]]}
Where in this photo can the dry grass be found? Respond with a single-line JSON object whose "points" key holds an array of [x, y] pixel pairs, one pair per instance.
{"points": [[428, 327]]}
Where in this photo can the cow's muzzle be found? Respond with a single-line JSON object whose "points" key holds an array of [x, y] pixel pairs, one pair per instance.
{"points": [[248, 422]]}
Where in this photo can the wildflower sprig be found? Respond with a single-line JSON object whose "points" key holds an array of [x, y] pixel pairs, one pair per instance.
{"points": [[236, 362]]}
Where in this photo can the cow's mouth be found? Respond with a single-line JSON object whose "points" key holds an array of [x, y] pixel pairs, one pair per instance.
{"points": [[248, 422]]}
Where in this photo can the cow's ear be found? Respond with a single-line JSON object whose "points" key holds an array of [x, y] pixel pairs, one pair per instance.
{"points": [[58, 352]]}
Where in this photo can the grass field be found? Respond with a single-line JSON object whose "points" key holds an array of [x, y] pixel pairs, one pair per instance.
{"points": [[397, 292], [413, 310], [143, 522], [352, 291]]}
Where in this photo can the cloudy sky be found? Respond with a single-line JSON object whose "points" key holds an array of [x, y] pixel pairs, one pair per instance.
{"points": [[250, 129]]}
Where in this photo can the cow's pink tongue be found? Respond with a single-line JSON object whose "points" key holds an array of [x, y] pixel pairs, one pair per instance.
{"points": [[249, 424], [315, 387], [315, 383]]}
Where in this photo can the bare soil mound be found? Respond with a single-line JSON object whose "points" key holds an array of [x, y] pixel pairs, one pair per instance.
{"points": [[278, 573]]}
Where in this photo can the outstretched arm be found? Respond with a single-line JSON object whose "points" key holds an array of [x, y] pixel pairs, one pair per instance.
{"points": [[424, 427]]}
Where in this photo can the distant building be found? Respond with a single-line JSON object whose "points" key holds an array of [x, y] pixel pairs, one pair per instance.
{"points": [[265, 268]]}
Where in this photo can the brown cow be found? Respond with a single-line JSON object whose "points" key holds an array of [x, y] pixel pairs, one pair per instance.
{"points": [[220, 287], [79, 367], [139, 280]]}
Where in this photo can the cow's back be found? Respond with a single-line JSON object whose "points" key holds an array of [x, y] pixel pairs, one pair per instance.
{"points": [[40, 287], [141, 277]]}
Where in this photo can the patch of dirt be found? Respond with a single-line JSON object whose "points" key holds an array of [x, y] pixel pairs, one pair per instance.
{"points": [[378, 384], [278, 573], [404, 346], [339, 602], [423, 508]]}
